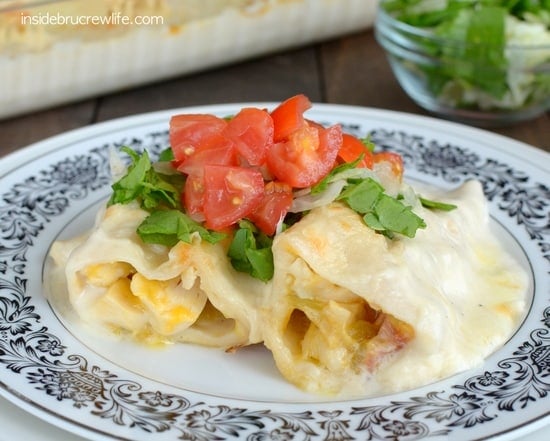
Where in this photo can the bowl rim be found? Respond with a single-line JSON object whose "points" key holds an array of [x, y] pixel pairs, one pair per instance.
{"points": [[384, 17]]}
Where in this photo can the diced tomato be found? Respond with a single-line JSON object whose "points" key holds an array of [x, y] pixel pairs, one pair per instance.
{"points": [[312, 123], [352, 148], [273, 207], [227, 163], [192, 132], [306, 157], [194, 164], [288, 117], [252, 132], [193, 196], [230, 194], [394, 159]]}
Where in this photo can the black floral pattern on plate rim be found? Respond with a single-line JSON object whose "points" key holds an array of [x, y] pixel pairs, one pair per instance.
{"points": [[28, 348]]}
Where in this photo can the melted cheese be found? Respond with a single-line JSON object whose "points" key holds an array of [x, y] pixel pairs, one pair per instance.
{"points": [[355, 313], [188, 293]]}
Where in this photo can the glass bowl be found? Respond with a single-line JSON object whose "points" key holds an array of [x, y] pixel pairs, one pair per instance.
{"points": [[474, 78]]}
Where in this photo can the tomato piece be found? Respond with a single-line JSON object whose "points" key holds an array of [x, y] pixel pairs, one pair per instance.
{"points": [[352, 148], [230, 194], [252, 132], [288, 117], [193, 196], [273, 207], [192, 132], [395, 159], [194, 164], [312, 123], [306, 157]]}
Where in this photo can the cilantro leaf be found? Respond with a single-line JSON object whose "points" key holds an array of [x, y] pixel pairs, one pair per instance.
{"points": [[166, 155], [141, 182], [381, 212], [396, 217], [127, 188], [250, 252], [435, 205], [363, 195], [168, 227]]}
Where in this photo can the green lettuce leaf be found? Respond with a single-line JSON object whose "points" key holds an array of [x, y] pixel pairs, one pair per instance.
{"points": [[168, 227], [381, 212], [250, 252], [144, 184]]}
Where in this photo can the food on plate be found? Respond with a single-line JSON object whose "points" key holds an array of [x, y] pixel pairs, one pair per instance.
{"points": [[268, 227], [184, 293], [353, 310]]}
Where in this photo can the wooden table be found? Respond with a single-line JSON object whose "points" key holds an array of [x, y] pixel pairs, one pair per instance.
{"points": [[349, 70]]}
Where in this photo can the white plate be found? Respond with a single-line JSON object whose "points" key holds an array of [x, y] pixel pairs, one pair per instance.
{"points": [[103, 389]]}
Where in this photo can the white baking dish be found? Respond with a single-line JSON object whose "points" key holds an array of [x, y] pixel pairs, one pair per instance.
{"points": [[43, 64]]}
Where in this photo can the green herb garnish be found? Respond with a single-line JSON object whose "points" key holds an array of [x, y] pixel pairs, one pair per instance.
{"points": [[435, 205], [166, 155], [168, 227], [250, 252], [143, 183], [380, 211]]}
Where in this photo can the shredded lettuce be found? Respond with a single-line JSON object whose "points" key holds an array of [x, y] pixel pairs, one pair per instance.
{"points": [[484, 64]]}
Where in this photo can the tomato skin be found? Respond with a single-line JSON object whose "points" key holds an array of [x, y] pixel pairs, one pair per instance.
{"points": [[352, 148], [252, 132], [230, 194], [395, 159], [306, 157], [193, 196], [273, 207], [194, 164], [288, 117], [192, 132]]}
